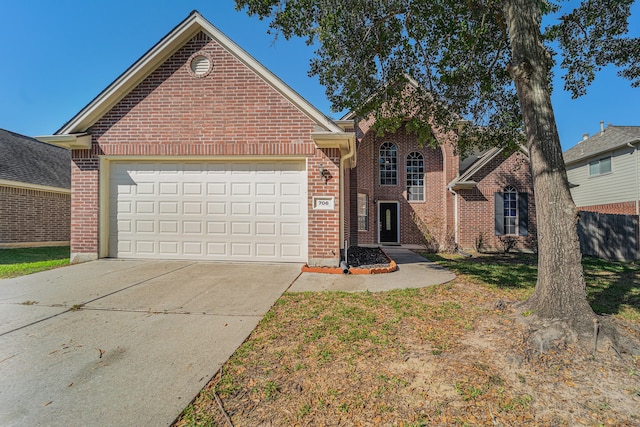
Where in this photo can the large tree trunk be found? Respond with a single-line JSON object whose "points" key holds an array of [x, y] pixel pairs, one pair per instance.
{"points": [[560, 291]]}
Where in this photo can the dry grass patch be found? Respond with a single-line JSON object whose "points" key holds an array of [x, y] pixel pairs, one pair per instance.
{"points": [[443, 355]]}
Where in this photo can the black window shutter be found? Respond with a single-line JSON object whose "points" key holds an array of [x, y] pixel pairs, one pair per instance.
{"points": [[498, 200], [523, 214]]}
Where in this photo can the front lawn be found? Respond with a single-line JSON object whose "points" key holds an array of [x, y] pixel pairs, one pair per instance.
{"points": [[612, 287], [441, 355], [21, 261]]}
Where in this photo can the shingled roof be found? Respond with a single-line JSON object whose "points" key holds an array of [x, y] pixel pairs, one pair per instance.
{"points": [[606, 140], [27, 160]]}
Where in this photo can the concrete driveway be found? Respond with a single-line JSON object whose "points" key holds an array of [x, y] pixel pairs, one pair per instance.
{"points": [[115, 342]]}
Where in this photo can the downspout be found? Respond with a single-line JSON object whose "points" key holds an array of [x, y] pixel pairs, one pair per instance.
{"points": [[455, 216], [350, 154], [635, 147]]}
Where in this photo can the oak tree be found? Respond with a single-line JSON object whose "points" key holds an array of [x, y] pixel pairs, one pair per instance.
{"points": [[488, 62]]}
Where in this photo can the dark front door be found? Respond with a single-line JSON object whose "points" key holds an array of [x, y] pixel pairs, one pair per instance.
{"points": [[388, 222]]}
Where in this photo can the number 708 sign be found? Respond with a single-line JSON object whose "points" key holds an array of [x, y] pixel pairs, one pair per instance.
{"points": [[323, 203]]}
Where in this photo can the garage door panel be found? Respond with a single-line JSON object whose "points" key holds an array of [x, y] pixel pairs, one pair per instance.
{"points": [[209, 210], [217, 208], [266, 209], [216, 188], [168, 248], [168, 227], [192, 208], [240, 208], [290, 209]]}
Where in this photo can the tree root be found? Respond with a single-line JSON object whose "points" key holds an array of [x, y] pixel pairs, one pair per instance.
{"points": [[544, 335]]}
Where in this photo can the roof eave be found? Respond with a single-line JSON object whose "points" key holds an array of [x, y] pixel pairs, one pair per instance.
{"points": [[342, 140], [81, 141], [601, 152], [462, 185]]}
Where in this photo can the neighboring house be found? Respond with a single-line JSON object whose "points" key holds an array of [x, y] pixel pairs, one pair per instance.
{"points": [[197, 151], [603, 170], [413, 194], [35, 190]]}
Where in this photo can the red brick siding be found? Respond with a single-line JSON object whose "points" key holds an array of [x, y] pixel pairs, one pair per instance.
{"points": [[32, 216], [432, 212], [437, 213], [84, 203], [622, 208], [231, 112], [476, 206], [324, 235]]}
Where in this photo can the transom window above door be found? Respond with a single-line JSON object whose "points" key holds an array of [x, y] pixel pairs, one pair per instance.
{"points": [[388, 164]]}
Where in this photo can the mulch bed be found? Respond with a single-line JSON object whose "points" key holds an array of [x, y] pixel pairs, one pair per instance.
{"points": [[360, 260]]}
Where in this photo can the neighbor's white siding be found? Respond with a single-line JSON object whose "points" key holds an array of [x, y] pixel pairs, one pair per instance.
{"points": [[615, 187]]}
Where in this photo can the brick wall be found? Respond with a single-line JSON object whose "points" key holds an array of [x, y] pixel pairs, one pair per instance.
{"points": [[30, 216], [230, 112], [622, 208], [476, 206], [436, 215], [431, 212]]}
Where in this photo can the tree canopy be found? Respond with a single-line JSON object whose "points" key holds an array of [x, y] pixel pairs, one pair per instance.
{"points": [[457, 52]]}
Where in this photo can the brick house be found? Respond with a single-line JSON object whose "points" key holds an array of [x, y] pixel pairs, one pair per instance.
{"points": [[197, 151], [34, 192], [418, 195]]}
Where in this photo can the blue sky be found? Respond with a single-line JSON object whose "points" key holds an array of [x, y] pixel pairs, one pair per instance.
{"points": [[58, 55]]}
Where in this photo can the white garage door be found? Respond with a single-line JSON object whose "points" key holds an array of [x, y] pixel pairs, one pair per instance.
{"points": [[209, 211]]}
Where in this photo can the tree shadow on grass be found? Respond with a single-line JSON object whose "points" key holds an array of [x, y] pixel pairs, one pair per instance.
{"points": [[24, 255], [504, 271], [612, 287]]}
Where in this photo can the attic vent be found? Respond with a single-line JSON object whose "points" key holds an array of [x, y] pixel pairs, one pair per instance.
{"points": [[201, 65]]}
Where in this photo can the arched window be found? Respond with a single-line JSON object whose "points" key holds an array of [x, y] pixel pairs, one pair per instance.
{"points": [[388, 164], [510, 209], [415, 177]]}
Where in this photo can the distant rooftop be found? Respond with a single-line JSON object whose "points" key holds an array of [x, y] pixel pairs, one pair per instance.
{"points": [[27, 160], [606, 140]]}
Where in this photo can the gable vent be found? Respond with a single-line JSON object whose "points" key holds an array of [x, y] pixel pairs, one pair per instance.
{"points": [[201, 65]]}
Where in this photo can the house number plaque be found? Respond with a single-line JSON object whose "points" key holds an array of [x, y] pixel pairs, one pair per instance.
{"points": [[324, 203]]}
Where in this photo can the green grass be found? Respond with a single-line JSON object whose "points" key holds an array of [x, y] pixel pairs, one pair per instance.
{"points": [[21, 261], [612, 287]]}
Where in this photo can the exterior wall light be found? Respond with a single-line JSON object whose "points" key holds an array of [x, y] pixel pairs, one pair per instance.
{"points": [[324, 173]]}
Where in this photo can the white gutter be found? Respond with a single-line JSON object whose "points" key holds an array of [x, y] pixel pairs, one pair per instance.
{"points": [[455, 215], [346, 143], [635, 147]]}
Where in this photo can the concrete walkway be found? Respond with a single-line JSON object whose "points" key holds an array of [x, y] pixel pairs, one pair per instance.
{"points": [[414, 271]]}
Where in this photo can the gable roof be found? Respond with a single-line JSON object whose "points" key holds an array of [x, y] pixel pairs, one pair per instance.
{"points": [[464, 180], [27, 160], [159, 53], [606, 140]]}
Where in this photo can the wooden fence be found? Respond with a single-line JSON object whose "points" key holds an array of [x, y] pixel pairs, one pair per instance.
{"points": [[608, 236]]}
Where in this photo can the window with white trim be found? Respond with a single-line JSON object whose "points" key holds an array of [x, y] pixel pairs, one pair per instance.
{"points": [[511, 212], [363, 212], [600, 167], [510, 204], [415, 177], [388, 164]]}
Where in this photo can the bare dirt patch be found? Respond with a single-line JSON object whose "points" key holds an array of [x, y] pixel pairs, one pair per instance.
{"points": [[444, 355]]}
